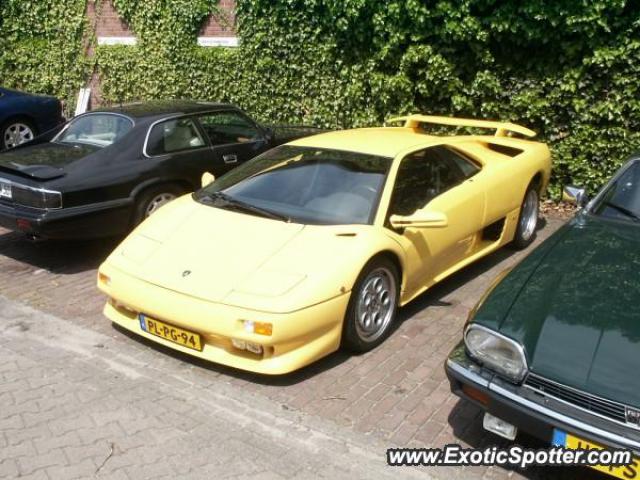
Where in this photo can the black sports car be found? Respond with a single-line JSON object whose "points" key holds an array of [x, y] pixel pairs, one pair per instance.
{"points": [[23, 116], [105, 171]]}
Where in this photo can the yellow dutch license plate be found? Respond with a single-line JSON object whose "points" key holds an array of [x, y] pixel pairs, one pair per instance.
{"points": [[627, 472], [171, 333]]}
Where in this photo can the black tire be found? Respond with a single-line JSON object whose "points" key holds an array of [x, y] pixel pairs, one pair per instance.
{"points": [[528, 219], [354, 334], [19, 123], [151, 194]]}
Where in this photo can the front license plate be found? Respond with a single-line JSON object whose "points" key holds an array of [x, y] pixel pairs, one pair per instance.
{"points": [[169, 332], [566, 440], [5, 190]]}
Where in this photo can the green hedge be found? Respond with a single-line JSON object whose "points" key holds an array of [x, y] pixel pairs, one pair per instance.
{"points": [[569, 70], [42, 46]]}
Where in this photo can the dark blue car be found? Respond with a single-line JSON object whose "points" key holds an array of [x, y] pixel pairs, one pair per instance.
{"points": [[24, 116]]}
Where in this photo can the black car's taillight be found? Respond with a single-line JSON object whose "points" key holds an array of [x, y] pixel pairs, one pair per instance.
{"points": [[36, 198]]}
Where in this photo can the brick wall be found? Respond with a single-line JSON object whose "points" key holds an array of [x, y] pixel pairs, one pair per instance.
{"points": [[110, 24], [223, 27]]}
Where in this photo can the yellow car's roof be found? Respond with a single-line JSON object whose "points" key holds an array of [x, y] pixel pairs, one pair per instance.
{"points": [[382, 141]]}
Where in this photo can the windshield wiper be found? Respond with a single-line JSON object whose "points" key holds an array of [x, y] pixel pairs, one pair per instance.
{"points": [[247, 207], [623, 210]]}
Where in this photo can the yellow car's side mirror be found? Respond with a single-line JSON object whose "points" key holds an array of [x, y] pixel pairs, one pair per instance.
{"points": [[207, 178], [420, 219]]}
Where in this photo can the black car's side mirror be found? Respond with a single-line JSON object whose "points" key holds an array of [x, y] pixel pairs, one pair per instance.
{"points": [[576, 195], [269, 134]]}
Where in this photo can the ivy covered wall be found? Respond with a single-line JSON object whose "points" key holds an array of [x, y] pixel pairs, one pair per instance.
{"points": [[570, 69], [42, 47]]}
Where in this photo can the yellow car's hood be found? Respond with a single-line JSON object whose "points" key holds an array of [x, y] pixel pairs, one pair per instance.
{"points": [[238, 259]]}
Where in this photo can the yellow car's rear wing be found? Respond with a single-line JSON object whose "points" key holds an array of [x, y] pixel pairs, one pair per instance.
{"points": [[501, 128]]}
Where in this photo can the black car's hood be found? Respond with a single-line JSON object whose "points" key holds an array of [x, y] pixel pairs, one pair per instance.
{"points": [[577, 312], [44, 161]]}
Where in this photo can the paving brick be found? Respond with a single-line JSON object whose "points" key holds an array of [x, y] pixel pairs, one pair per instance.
{"points": [[56, 442], [428, 432], [28, 465], [81, 470], [377, 392], [8, 468], [398, 392]]}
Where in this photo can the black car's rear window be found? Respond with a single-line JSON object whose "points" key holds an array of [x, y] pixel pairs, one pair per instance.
{"points": [[99, 129]]}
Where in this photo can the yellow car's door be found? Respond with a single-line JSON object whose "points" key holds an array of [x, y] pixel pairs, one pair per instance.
{"points": [[437, 179]]}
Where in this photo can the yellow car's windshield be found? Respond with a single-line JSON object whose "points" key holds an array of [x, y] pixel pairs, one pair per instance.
{"points": [[304, 185]]}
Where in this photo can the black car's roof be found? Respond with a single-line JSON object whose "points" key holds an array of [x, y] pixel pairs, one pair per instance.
{"points": [[10, 92], [153, 108]]}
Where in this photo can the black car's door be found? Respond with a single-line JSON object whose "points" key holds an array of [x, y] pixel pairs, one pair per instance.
{"points": [[234, 139], [180, 148]]}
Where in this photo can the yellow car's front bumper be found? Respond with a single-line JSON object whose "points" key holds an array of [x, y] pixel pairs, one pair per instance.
{"points": [[298, 338]]}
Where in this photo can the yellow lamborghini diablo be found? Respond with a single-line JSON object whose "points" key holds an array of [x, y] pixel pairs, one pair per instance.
{"points": [[313, 245]]}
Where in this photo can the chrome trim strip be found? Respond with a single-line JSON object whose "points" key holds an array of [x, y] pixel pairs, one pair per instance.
{"points": [[467, 374], [230, 159], [207, 145], [573, 405], [33, 189], [27, 187], [146, 138], [586, 394], [618, 439], [98, 206], [133, 123]]}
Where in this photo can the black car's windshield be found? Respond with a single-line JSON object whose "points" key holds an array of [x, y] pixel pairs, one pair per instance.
{"points": [[622, 199], [305, 185], [100, 129]]}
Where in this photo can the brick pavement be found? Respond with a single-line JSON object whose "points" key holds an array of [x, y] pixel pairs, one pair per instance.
{"points": [[397, 394], [75, 403]]}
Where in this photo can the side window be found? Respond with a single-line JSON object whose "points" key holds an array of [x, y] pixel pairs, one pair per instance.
{"points": [[177, 135], [228, 127], [466, 166], [421, 177]]}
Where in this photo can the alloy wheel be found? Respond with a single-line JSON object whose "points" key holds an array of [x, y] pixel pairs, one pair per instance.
{"points": [[376, 304], [17, 134], [529, 216], [158, 202]]}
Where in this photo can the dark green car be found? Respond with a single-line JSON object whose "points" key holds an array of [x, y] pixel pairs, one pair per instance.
{"points": [[553, 348]]}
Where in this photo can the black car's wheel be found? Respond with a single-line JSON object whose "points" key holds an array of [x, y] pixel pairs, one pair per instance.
{"points": [[528, 220], [153, 199], [16, 132], [373, 306]]}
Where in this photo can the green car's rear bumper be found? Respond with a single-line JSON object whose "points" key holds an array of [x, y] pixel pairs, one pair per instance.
{"points": [[529, 411]]}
